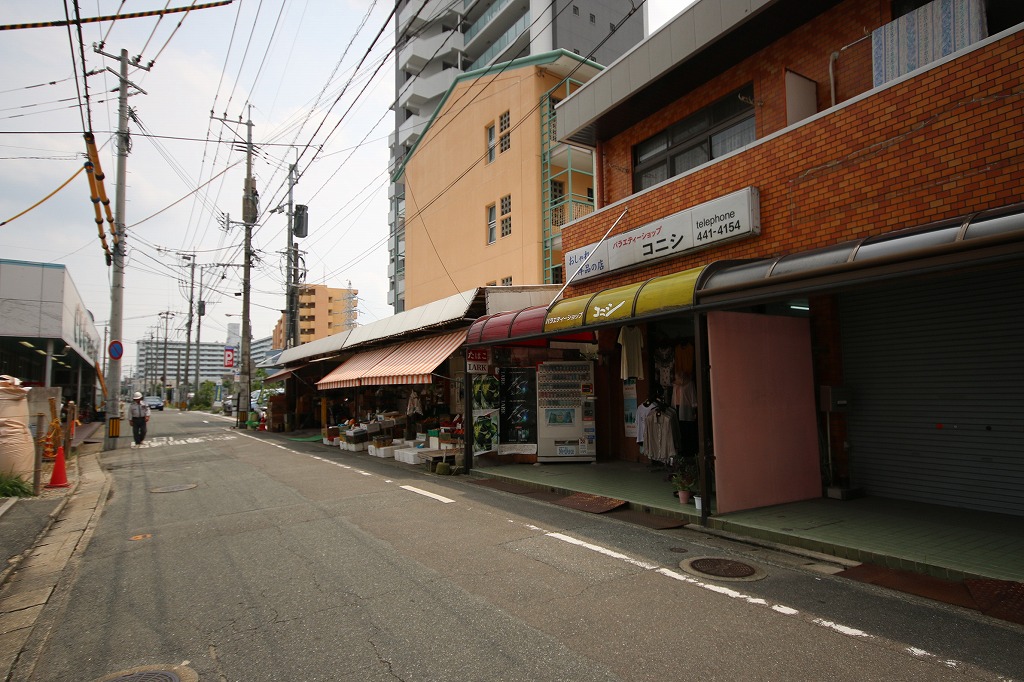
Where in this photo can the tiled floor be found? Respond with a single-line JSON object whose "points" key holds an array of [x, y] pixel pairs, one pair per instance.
{"points": [[946, 542]]}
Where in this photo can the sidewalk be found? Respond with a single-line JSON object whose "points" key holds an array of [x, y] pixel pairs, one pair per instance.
{"points": [[33, 579]]}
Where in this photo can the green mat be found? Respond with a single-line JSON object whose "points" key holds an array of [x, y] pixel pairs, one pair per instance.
{"points": [[308, 439]]}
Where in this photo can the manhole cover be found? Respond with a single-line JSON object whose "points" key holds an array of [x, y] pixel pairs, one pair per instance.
{"points": [[721, 568], [153, 676], [173, 488]]}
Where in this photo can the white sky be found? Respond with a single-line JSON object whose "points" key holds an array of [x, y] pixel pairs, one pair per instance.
{"points": [[287, 64]]}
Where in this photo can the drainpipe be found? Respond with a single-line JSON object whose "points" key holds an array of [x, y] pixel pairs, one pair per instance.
{"points": [[833, 58], [599, 190]]}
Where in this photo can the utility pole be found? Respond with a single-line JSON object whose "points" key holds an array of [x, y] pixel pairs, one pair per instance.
{"points": [[200, 311], [166, 317], [113, 407], [292, 289], [249, 208], [188, 325]]}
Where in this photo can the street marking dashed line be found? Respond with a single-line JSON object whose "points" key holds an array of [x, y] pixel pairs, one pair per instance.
{"points": [[418, 491], [782, 609]]}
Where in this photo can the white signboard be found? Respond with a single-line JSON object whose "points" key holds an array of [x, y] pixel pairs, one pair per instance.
{"points": [[729, 217]]}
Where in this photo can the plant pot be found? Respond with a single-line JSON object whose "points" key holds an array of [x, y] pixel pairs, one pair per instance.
{"points": [[684, 496]]}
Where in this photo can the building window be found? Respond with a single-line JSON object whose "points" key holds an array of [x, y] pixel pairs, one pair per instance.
{"points": [[492, 284], [556, 275], [506, 281], [504, 125], [506, 215], [593, 19], [575, 10], [492, 224], [490, 143], [718, 129], [611, 27]]}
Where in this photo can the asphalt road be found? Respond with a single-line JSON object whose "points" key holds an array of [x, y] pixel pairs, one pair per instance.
{"points": [[294, 561]]}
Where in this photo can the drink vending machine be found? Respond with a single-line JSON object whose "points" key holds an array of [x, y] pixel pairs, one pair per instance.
{"points": [[566, 409]]}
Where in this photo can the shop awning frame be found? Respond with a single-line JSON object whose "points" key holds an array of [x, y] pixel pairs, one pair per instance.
{"points": [[411, 362], [348, 373], [577, 318], [975, 239], [414, 362]]}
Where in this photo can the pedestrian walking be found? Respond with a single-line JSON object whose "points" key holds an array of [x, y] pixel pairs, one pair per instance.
{"points": [[138, 413]]}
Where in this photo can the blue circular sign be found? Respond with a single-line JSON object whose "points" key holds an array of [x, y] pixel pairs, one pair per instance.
{"points": [[116, 350]]}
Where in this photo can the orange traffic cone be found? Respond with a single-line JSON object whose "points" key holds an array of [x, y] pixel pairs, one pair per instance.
{"points": [[59, 478]]}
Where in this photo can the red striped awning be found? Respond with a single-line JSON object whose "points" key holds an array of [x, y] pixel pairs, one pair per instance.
{"points": [[414, 362], [348, 373]]}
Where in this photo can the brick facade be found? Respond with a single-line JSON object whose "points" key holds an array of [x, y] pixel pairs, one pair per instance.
{"points": [[941, 144]]}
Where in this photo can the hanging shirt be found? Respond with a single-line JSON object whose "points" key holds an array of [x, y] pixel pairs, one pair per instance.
{"points": [[642, 410], [662, 434], [632, 341]]}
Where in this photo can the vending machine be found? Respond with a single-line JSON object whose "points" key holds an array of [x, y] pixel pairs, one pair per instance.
{"points": [[566, 430]]}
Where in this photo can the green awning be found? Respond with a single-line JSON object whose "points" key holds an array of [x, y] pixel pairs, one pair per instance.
{"points": [[645, 299]]}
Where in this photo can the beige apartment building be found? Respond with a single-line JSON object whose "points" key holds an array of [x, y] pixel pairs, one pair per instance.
{"points": [[488, 186], [322, 311]]}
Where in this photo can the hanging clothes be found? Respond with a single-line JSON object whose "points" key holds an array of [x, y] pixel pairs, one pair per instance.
{"points": [[642, 410], [661, 434], [632, 341]]}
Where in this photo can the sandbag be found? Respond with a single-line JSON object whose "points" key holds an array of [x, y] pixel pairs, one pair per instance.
{"points": [[17, 452]]}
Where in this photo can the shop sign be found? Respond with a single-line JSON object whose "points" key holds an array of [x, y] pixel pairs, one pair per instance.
{"points": [[733, 216], [478, 360], [229, 356]]}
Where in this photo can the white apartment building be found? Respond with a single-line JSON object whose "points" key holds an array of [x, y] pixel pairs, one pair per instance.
{"points": [[442, 39]]}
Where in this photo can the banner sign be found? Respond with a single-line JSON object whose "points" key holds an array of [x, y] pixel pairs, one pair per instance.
{"points": [[478, 360], [733, 216]]}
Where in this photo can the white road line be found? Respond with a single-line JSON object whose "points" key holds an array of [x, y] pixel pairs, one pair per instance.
{"points": [[920, 654], [424, 492], [603, 550]]}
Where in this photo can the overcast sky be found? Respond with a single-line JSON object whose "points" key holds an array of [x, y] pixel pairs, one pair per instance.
{"points": [[318, 91]]}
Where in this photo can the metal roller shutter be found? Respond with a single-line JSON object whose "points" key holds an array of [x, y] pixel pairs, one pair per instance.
{"points": [[936, 373]]}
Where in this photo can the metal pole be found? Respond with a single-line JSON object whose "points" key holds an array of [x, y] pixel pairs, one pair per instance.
{"points": [[200, 310], [167, 315], [249, 218], [291, 298], [188, 326], [568, 281], [117, 276]]}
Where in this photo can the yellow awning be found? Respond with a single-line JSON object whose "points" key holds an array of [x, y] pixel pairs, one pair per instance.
{"points": [[651, 297]]}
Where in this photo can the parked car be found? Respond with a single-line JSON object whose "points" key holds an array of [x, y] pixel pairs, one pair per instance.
{"points": [[155, 402]]}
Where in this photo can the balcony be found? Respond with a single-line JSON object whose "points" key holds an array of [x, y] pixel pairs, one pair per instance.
{"points": [[508, 38], [434, 10], [419, 52], [411, 130], [425, 89], [489, 26]]}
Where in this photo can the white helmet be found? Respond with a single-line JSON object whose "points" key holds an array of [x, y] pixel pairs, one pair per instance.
{"points": [[137, 396]]}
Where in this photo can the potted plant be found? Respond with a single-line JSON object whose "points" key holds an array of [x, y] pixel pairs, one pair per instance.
{"points": [[684, 483]]}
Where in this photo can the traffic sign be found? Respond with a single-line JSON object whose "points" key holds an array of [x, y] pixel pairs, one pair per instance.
{"points": [[116, 350]]}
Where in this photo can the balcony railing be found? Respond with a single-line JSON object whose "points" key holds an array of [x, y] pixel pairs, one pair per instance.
{"points": [[485, 19], [501, 43]]}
